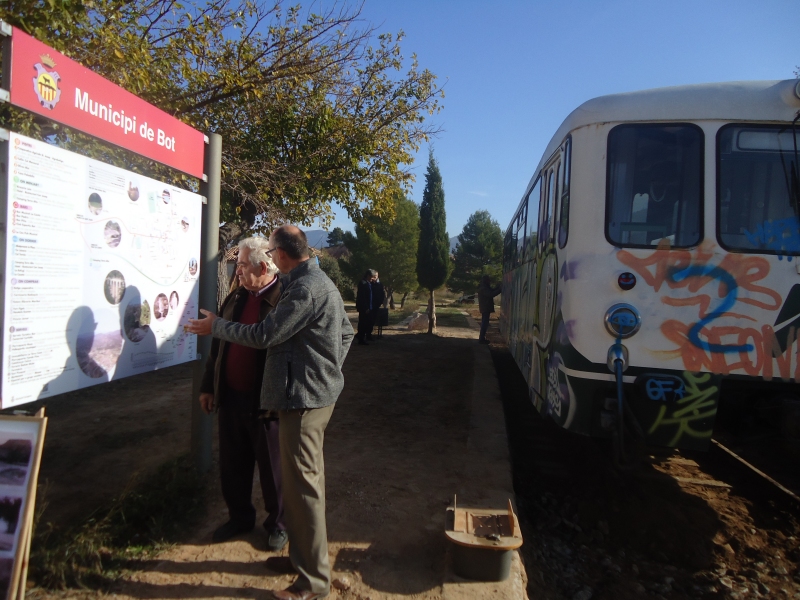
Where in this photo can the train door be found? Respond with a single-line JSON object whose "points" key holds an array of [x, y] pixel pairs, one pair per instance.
{"points": [[546, 269], [518, 324], [548, 260], [527, 307]]}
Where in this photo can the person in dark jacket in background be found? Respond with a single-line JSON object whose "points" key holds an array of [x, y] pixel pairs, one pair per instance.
{"points": [[378, 298], [232, 382], [364, 304], [486, 294]]}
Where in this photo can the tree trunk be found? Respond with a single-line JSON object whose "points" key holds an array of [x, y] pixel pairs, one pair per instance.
{"points": [[403, 300], [228, 233], [389, 301], [431, 314], [223, 281]]}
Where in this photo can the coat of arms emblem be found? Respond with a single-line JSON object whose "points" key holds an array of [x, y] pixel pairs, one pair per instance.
{"points": [[45, 84]]}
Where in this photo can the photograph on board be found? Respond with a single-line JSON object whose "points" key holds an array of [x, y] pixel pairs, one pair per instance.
{"points": [[136, 321], [112, 234], [114, 287], [9, 519], [95, 203], [133, 191], [15, 457], [161, 307], [98, 343], [6, 570]]}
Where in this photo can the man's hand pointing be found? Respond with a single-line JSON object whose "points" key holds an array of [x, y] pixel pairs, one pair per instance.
{"points": [[202, 326]]}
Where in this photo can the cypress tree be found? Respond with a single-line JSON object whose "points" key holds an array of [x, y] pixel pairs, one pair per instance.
{"points": [[433, 253]]}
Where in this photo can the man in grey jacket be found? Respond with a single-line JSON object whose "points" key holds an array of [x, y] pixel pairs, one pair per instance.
{"points": [[307, 336]]}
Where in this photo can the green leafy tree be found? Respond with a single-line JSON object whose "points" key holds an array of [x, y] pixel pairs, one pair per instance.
{"points": [[314, 108], [388, 246], [335, 237], [479, 252], [433, 253], [331, 268]]}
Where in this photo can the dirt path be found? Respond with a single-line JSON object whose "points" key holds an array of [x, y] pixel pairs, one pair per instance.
{"points": [[420, 419]]}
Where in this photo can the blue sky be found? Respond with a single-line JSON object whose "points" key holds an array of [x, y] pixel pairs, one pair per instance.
{"points": [[515, 69]]}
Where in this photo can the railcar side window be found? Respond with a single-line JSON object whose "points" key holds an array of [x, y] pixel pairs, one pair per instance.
{"points": [[521, 235], [533, 210], [546, 224], [542, 231], [509, 248], [758, 196], [563, 223], [553, 204], [654, 185]]}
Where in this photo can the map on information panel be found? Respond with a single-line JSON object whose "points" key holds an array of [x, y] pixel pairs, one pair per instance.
{"points": [[101, 273]]}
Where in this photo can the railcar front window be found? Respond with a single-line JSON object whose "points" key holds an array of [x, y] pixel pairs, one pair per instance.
{"points": [[758, 196], [654, 192]]}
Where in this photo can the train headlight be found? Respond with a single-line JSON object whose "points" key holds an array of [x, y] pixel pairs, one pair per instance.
{"points": [[622, 321]]}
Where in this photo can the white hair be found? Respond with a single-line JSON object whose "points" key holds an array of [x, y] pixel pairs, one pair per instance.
{"points": [[258, 247]]}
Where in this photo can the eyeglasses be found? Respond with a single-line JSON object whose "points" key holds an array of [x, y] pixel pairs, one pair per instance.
{"points": [[271, 250]]}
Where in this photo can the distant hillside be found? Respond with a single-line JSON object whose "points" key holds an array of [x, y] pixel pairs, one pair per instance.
{"points": [[317, 238]]}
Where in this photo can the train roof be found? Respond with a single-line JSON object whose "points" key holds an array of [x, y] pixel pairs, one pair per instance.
{"points": [[762, 101]]}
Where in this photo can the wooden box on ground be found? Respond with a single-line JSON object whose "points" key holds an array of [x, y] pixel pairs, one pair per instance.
{"points": [[483, 541]]}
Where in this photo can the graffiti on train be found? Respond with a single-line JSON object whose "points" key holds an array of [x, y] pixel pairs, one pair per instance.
{"points": [[724, 338], [693, 410], [662, 388], [560, 398], [781, 236]]}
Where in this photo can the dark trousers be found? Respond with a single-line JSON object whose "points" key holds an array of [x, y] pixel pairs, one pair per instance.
{"points": [[244, 441], [484, 325], [366, 321]]}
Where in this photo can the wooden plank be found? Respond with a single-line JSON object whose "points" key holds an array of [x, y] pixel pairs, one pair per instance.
{"points": [[460, 521], [705, 482]]}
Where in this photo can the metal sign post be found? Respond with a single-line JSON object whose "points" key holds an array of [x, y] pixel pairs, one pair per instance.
{"points": [[209, 258]]}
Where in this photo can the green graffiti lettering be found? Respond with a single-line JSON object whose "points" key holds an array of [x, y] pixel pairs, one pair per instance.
{"points": [[698, 404]]}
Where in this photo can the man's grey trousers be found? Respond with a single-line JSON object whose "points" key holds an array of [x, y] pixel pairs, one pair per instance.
{"points": [[302, 433]]}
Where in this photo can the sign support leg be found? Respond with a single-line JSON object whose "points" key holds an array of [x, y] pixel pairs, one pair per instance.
{"points": [[202, 424]]}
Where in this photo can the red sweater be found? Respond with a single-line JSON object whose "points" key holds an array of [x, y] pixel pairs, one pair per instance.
{"points": [[240, 361]]}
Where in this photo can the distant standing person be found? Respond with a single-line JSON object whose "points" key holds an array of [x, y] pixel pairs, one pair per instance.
{"points": [[307, 337], [378, 298], [232, 383], [486, 294], [364, 305]]}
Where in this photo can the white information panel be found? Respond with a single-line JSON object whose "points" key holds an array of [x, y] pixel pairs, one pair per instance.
{"points": [[101, 273]]}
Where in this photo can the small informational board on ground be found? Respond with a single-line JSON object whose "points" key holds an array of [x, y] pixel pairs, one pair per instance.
{"points": [[102, 267], [21, 441]]}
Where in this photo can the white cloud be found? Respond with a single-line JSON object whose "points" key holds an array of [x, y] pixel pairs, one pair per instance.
{"points": [[476, 193]]}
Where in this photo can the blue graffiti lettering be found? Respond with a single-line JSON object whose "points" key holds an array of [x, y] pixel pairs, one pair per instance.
{"points": [[726, 279], [657, 389], [782, 236]]}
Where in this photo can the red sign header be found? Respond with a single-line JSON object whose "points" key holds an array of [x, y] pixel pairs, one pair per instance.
{"points": [[48, 83]]}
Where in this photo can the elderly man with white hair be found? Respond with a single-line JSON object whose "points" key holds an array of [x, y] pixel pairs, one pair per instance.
{"points": [[232, 383]]}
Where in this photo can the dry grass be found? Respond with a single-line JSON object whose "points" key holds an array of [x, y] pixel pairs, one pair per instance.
{"points": [[147, 516]]}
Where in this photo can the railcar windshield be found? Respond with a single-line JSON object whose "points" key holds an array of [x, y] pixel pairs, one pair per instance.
{"points": [[654, 191], [758, 196]]}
